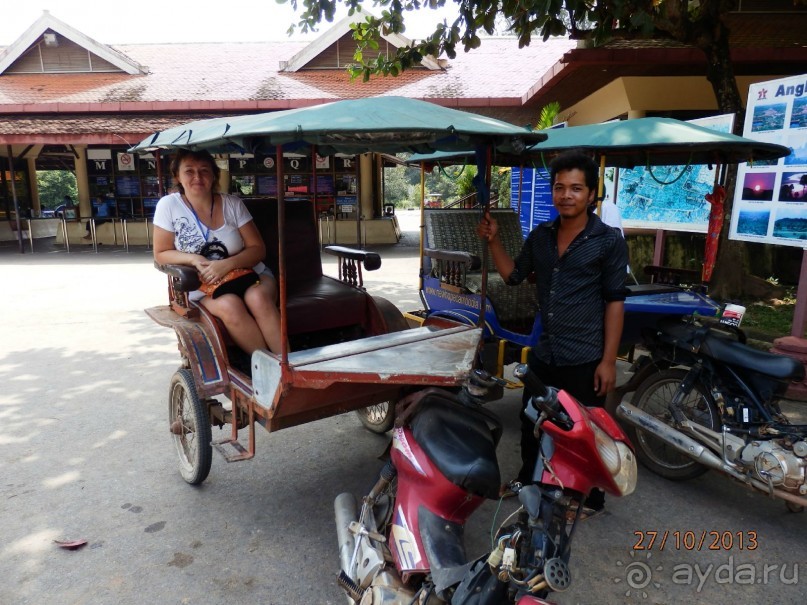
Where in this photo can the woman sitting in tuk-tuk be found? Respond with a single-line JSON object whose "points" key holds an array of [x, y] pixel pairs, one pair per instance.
{"points": [[214, 232]]}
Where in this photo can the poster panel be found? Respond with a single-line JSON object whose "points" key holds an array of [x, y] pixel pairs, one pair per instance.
{"points": [[669, 197], [663, 197], [535, 205], [770, 199]]}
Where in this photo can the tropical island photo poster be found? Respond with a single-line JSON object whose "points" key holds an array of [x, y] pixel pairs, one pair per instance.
{"points": [[770, 200]]}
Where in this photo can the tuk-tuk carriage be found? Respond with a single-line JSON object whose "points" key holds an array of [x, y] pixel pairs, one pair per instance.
{"points": [[347, 349]]}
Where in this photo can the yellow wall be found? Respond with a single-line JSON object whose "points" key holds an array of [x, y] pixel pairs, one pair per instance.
{"points": [[648, 94]]}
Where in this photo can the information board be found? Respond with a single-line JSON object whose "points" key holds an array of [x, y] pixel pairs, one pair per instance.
{"points": [[267, 185], [127, 186], [324, 184], [535, 205], [669, 197], [770, 199]]}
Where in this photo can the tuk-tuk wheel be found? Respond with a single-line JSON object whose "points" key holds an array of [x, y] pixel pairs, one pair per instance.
{"points": [[378, 418], [190, 428]]}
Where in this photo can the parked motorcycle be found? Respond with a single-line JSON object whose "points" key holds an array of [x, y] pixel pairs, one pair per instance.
{"points": [[405, 545], [709, 400]]}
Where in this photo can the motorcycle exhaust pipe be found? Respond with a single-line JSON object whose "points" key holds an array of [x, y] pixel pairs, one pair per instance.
{"points": [[683, 443], [692, 448], [345, 511]]}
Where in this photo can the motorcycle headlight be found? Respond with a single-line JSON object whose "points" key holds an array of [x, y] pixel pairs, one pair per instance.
{"points": [[625, 479], [607, 449], [618, 459]]}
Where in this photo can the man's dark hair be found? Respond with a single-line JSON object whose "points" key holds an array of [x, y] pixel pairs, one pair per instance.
{"points": [[569, 160]]}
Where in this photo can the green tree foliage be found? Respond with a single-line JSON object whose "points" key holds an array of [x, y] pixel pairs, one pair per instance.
{"points": [[399, 188], [696, 22], [465, 181], [500, 184], [402, 184], [54, 185], [548, 116]]}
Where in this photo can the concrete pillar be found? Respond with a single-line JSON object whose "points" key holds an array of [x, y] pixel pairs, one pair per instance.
{"points": [[36, 204], [82, 181], [366, 184], [223, 162]]}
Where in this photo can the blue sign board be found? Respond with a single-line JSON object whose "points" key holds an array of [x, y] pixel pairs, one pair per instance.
{"points": [[535, 205]]}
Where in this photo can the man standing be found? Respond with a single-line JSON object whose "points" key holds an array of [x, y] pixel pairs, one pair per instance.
{"points": [[580, 265]]}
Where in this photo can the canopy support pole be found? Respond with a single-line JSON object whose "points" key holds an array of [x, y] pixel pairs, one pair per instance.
{"points": [[160, 187], [281, 262], [16, 201], [422, 225], [658, 247], [601, 185], [482, 182]]}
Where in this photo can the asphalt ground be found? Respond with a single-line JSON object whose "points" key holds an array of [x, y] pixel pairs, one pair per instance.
{"points": [[85, 455]]}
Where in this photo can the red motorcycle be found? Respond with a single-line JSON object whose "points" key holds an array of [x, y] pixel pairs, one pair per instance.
{"points": [[405, 545]]}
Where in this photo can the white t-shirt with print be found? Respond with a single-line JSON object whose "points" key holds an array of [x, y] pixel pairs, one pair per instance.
{"points": [[190, 235]]}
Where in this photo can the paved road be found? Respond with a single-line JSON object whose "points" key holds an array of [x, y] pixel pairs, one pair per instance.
{"points": [[85, 454]]}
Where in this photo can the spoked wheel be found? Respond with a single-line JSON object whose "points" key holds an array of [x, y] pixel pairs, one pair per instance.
{"points": [[653, 397], [190, 428], [378, 418]]}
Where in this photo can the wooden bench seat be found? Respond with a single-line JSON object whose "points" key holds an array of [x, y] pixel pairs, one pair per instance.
{"points": [[314, 302]]}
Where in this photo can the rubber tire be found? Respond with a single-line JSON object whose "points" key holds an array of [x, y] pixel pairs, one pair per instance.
{"points": [[793, 507], [652, 397], [193, 447], [378, 418]]}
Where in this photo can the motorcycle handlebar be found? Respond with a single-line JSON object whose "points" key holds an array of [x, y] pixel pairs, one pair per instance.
{"points": [[530, 380], [542, 397]]}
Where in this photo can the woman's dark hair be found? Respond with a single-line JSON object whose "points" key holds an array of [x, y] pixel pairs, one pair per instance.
{"points": [[569, 160], [203, 156]]}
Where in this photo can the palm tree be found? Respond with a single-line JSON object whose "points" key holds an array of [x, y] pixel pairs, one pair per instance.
{"points": [[548, 116]]}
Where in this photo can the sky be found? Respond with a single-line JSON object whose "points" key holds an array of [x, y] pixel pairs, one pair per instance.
{"points": [[149, 21]]}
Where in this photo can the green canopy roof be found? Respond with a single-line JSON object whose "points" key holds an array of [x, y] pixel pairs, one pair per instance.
{"points": [[379, 124], [658, 142], [631, 143]]}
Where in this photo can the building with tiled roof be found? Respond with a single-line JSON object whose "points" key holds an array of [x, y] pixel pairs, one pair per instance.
{"points": [[65, 96]]}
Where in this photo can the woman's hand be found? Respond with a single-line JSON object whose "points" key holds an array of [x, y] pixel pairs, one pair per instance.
{"points": [[211, 271]]}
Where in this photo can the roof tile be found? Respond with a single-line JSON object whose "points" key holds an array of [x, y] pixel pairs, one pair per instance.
{"points": [[222, 72]]}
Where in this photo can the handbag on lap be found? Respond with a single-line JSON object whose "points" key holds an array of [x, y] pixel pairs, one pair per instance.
{"points": [[236, 281]]}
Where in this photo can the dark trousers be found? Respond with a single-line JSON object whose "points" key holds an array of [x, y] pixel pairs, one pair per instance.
{"points": [[578, 381], [98, 223]]}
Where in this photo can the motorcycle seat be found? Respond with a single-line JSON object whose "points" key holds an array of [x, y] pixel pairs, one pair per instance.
{"points": [[743, 356], [722, 347], [460, 444]]}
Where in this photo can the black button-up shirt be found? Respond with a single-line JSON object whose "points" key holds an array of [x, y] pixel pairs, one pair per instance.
{"points": [[573, 288]]}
